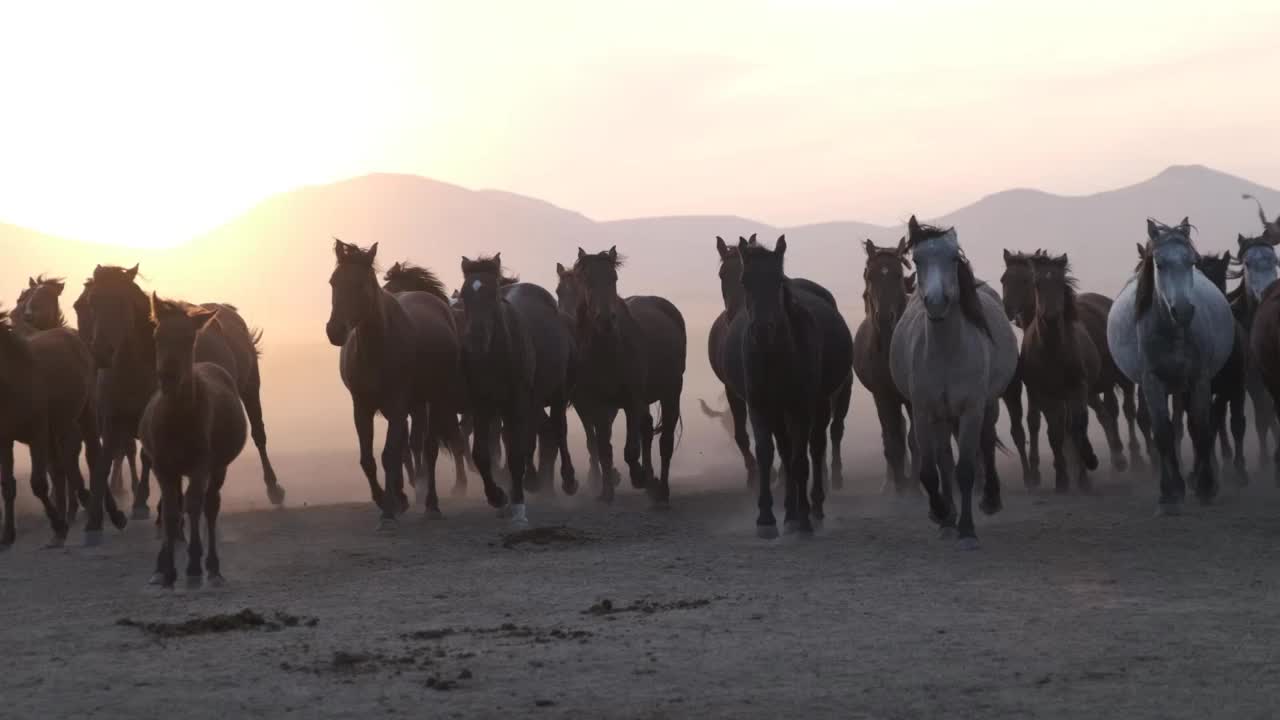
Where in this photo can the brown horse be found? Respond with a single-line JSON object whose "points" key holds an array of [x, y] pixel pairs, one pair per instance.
{"points": [[632, 354], [401, 358], [568, 295], [407, 277], [84, 322], [121, 318], [193, 427], [37, 307], [46, 386], [734, 296], [1061, 367], [885, 299], [1264, 340]]}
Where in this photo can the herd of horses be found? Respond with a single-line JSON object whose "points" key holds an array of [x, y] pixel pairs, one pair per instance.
{"points": [[490, 372]]}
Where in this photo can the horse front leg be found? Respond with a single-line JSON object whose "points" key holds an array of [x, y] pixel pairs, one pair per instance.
{"points": [[839, 411], [1203, 437], [894, 441], [517, 432], [1055, 418], [41, 449], [636, 414], [1107, 410], [8, 492], [929, 436], [817, 442], [738, 409], [991, 501], [482, 455], [1013, 403], [660, 491], [395, 502], [363, 417], [766, 523], [1078, 425], [1238, 422], [1136, 447], [970, 437], [1034, 415], [560, 428], [1172, 489]]}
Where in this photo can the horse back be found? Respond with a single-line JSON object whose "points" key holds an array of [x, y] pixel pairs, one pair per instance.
{"points": [[665, 342], [66, 368], [834, 340], [227, 428], [813, 288], [717, 346], [423, 335], [552, 343]]}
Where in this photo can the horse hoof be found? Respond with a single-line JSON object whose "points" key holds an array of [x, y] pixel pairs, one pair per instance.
{"points": [[817, 520], [497, 498], [275, 493], [432, 514], [1169, 509], [967, 543], [503, 513], [789, 527], [141, 513], [837, 481], [56, 542], [615, 477], [118, 520], [195, 582], [947, 532], [387, 525], [92, 538], [767, 532], [1119, 464], [158, 579], [217, 581], [991, 506], [519, 516]]}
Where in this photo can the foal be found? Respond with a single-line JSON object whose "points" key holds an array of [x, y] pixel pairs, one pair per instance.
{"points": [[194, 426]]}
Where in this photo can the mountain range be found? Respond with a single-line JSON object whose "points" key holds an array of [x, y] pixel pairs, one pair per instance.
{"points": [[274, 260]]}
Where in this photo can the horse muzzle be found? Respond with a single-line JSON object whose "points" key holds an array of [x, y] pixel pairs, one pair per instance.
{"points": [[337, 333]]}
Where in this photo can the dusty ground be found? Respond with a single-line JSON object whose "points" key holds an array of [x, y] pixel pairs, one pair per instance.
{"points": [[1074, 607]]}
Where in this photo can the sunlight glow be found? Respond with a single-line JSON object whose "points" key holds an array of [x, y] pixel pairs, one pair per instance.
{"points": [[146, 123]]}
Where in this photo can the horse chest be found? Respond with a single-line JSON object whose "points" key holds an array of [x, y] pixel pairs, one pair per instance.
{"points": [[1172, 359]]}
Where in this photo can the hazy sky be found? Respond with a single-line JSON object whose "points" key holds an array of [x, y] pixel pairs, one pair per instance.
{"points": [[148, 122]]}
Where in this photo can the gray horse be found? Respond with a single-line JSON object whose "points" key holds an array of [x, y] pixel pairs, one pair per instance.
{"points": [[953, 356], [1170, 331]]}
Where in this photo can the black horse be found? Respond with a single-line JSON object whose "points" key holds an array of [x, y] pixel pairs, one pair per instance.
{"points": [[789, 354]]}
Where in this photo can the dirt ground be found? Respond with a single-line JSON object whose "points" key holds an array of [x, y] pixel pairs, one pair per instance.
{"points": [[1074, 607]]}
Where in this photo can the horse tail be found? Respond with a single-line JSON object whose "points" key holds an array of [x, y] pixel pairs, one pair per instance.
{"points": [[711, 412], [661, 424], [1261, 213]]}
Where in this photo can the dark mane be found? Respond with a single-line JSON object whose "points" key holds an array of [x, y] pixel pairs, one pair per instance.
{"points": [[970, 302], [617, 260], [1070, 285], [491, 264], [924, 233], [349, 254], [408, 276], [1145, 291]]}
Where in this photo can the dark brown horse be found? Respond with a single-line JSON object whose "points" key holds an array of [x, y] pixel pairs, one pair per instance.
{"points": [[407, 277], [46, 402], [1258, 269], [1061, 368], [568, 296], [517, 356], [38, 307], [789, 353], [885, 299], [631, 354], [400, 357], [734, 296], [193, 427], [84, 323], [1092, 309], [1264, 341]]}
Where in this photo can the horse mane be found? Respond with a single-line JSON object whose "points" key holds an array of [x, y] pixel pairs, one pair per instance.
{"points": [[109, 274], [42, 280], [970, 302], [491, 264], [616, 259], [416, 278], [1070, 284], [1144, 293]]}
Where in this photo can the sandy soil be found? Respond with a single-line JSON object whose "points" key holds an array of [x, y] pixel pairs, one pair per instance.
{"points": [[1074, 607]]}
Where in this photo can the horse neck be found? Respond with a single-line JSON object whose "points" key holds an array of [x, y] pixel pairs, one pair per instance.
{"points": [[784, 343]]}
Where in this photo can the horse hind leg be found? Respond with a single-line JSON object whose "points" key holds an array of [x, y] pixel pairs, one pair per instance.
{"points": [[1078, 419], [660, 490], [1203, 438], [969, 441], [738, 409], [212, 507], [560, 435], [194, 505], [766, 522], [817, 453], [1172, 488], [893, 438], [1238, 427], [991, 500], [1136, 460], [253, 408], [1013, 402], [1107, 409], [839, 411]]}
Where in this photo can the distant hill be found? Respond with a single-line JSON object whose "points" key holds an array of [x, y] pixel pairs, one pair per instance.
{"points": [[274, 260]]}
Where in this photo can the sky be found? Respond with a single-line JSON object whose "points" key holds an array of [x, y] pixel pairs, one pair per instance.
{"points": [[149, 122]]}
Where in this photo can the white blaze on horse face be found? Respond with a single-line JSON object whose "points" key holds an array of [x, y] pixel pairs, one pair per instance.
{"points": [[1175, 279], [1260, 265], [936, 279]]}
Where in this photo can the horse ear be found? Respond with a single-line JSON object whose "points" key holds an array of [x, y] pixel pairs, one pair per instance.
{"points": [[913, 227], [497, 260], [869, 247], [1186, 221], [1008, 257], [581, 253], [722, 247], [742, 243], [1061, 260], [58, 287], [465, 262], [902, 246], [752, 239], [1226, 255], [31, 282], [910, 283], [781, 247], [1142, 251], [560, 271], [132, 273], [373, 251], [1240, 239], [1153, 232]]}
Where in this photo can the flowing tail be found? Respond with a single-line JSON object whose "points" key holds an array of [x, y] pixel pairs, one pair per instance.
{"points": [[1262, 214], [711, 412]]}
